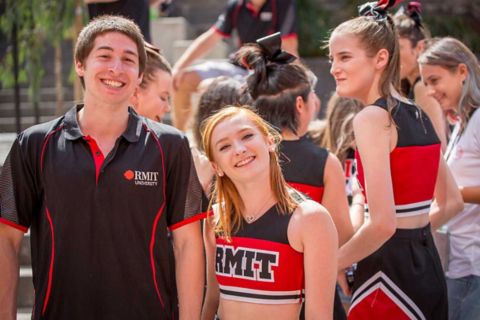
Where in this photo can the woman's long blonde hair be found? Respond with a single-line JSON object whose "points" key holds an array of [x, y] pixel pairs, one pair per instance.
{"points": [[225, 194]]}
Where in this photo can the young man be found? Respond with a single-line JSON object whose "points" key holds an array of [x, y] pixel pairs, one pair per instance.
{"points": [[99, 188], [251, 19]]}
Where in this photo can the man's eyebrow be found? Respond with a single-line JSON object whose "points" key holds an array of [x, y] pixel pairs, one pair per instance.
{"points": [[128, 51]]}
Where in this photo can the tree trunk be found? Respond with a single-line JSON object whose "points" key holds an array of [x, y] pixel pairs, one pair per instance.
{"points": [[77, 27], [58, 79]]}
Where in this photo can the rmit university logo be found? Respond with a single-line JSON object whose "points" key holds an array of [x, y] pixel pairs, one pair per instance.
{"points": [[142, 178], [246, 263]]}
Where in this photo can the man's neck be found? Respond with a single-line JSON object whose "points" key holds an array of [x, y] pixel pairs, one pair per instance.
{"points": [[103, 121]]}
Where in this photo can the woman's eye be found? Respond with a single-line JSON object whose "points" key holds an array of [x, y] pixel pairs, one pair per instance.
{"points": [[224, 147], [247, 136]]}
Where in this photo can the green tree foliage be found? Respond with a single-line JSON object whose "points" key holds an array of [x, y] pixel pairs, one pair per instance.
{"points": [[38, 22]]}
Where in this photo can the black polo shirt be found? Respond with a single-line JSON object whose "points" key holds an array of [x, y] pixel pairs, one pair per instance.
{"points": [[99, 226], [274, 16]]}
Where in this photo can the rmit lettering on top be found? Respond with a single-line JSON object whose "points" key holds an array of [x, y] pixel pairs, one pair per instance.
{"points": [[149, 178], [246, 263]]}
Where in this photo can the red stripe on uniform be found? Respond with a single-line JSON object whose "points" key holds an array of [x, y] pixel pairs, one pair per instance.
{"points": [[152, 255], [314, 192], [157, 218], [14, 225], [414, 172], [52, 259], [196, 217]]}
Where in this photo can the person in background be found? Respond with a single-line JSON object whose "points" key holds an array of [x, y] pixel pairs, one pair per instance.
{"points": [[412, 34], [137, 10], [451, 74], [400, 169], [257, 216], [251, 19], [152, 97], [283, 95], [98, 188]]}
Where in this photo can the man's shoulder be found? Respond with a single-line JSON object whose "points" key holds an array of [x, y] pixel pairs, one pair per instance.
{"points": [[37, 133]]}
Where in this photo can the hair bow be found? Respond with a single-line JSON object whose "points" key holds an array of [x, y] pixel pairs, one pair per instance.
{"points": [[271, 46], [377, 9], [414, 10]]}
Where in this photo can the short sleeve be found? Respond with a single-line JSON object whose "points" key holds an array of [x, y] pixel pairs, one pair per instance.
{"points": [[183, 189], [19, 198], [474, 125], [287, 18], [225, 22]]}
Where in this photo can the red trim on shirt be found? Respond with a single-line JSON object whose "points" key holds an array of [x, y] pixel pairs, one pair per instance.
{"points": [[223, 34], [52, 258], [14, 225], [195, 218], [45, 142], [157, 218], [152, 255], [97, 154]]}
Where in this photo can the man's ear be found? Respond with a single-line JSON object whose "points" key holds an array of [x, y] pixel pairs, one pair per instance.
{"points": [[134, 97], [79, 68], [382, 57]]}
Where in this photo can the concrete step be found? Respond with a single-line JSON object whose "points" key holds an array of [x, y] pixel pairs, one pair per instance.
{"points": [[8, 124], [46, 94], [25, 296], [24, 314], [45, 108], [165, 31], [220, 51], [6, 141], [25, 257]]}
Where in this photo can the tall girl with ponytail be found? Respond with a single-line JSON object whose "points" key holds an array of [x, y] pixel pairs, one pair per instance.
{"points": [[398, 275]]}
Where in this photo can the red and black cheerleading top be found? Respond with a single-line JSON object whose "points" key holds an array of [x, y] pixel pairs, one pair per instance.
{"points": [[303, 165], [259, 265], [414, 161]]}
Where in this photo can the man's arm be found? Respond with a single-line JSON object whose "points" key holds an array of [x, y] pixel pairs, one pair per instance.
{"points": [[198, 49], [290, 44], [10, 241], [190, 269]]}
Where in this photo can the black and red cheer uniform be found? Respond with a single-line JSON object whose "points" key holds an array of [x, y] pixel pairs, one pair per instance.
{"points": [[99, 224], [403, 279], [303, 166], [258, 265]]}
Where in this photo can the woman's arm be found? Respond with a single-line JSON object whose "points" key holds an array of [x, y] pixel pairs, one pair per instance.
{"points": [[212, 295], [335, 198], [448, 199], [311, 231], [374, 136], [470, 194], [357, 209]]}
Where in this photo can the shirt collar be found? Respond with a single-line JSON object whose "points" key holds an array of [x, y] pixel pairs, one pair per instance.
{"points": [[73, 132]]}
